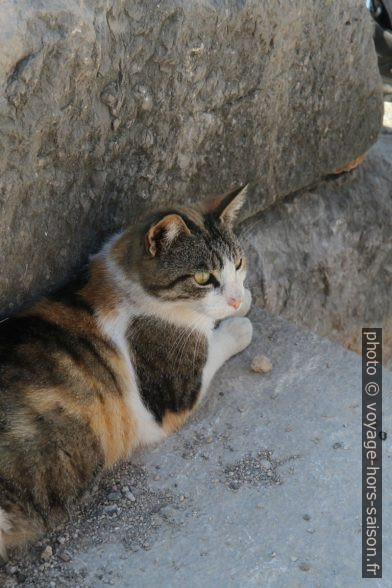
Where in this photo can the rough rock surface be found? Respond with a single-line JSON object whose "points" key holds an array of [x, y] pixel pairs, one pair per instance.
{"points": [[324, 257], [261, 489], [107, 108]]}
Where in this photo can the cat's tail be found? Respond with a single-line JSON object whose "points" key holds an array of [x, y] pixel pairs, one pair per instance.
{"points": [[15, 530]]}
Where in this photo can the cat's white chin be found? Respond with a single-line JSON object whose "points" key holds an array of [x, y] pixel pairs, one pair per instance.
{"points": [[218, 312], [219, 315]]}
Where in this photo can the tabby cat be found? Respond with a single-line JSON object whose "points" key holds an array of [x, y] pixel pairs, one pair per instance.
{"points": [[118, 359]]}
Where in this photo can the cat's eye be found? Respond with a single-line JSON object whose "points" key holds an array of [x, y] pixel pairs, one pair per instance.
{"points": [[238, 264], [202, 278]]}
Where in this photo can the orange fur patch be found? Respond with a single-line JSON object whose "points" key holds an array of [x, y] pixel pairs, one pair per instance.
{"points": [[112, 421], [74, 320], [109, 415], [99, 292], [172, 421]]}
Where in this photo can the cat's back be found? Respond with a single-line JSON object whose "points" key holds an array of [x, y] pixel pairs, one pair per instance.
{"points": [[53, 346], [62, 381]]}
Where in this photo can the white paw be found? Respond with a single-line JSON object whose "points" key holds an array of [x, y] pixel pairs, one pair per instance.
{"points": [[247, 303], [237, 333]]}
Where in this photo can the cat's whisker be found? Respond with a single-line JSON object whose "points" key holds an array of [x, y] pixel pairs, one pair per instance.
{"points": [[195, 328], [245, 232], [199, 338], [185, 331], [190, 333]]}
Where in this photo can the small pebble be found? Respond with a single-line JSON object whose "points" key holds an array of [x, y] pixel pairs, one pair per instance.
{"points": [[272, 555], [293, 558], [113, 496], [261, 364], [306, 517], [337, 445], [65, 556], [47, 553], [234, 485], [304, 567]]}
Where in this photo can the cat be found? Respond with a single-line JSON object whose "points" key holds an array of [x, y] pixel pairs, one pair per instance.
{"points": [[119, 358]]}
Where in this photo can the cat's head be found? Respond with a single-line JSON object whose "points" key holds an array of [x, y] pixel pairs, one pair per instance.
{"points": [[191, 256]]}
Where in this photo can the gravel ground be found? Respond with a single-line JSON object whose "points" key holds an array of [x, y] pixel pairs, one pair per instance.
{"points": [[121, 507]]}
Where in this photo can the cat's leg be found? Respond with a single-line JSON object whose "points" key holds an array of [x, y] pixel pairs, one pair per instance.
{"points": [[233, 335], [246, 304]]}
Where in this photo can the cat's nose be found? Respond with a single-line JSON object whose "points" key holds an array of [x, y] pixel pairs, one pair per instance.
{"points": [[234, 302]]}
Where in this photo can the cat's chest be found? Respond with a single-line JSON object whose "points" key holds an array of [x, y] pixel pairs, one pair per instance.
{"points": [[168, 361]]}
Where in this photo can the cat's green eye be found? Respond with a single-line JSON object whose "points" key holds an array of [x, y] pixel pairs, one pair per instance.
{"points": [[202, 278], [238, 264]]}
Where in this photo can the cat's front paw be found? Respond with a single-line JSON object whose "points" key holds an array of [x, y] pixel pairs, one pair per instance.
{"points": [[238, 332], [246, 304]]}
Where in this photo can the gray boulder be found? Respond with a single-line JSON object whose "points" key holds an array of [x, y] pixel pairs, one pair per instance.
{"points": [[324, 257], [107, 109]]}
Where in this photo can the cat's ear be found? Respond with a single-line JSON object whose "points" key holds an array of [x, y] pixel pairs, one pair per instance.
{"points": [[162, 233], [227, 206]]}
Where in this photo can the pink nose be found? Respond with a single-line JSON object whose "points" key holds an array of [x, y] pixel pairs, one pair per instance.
{"points": [[234, 302]]}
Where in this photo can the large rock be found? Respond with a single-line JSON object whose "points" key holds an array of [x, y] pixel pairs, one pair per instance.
{"points": [[323, 258], [107, 108]]}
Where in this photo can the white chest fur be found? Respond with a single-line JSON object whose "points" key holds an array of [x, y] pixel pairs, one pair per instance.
{"points": [[149, 431]]}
